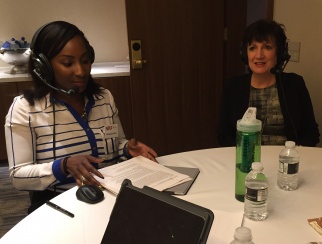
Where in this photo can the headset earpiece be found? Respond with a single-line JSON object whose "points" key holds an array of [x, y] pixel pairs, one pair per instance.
{"points": [[282, 59], [41, 63], [284, 56], [43, 67]]}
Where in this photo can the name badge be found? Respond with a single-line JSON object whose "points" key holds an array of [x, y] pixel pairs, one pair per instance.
{"points": [[111, 131]]}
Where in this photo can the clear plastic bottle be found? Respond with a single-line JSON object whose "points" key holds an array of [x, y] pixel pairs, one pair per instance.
{"points": [[248, 149], [243, 235], [255, 207], [287, 178]]}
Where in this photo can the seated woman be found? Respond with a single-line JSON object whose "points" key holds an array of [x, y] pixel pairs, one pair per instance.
{"points": [[282, 100], [66, 126]]}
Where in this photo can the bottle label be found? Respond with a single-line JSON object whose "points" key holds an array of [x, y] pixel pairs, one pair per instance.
{"points": [[256, 195], [289, 169]]}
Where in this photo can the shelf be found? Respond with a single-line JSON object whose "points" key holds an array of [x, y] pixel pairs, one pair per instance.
{"points": [[107, 69]]}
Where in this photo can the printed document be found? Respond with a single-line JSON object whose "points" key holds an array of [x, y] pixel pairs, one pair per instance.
{"points": [[142, 172]]}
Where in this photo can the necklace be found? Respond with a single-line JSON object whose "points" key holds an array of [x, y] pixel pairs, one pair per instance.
{"points": [[84, 115]]}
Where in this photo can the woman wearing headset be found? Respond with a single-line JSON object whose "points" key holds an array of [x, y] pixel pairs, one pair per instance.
{"points": [[66, 127], [282, 100]]}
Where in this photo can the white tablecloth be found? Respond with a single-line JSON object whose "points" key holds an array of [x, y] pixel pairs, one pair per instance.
{"points": [[213, 189]]}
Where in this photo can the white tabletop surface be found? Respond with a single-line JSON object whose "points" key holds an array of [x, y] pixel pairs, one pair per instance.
{"points": [[213, 189], [106, 69]]}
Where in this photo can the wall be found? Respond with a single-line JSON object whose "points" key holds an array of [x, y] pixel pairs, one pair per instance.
{"points": [[102, 21], [303, 23]]}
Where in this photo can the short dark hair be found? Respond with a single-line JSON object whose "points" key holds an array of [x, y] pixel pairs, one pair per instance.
{"points": [[266, 30], [50, 41]]}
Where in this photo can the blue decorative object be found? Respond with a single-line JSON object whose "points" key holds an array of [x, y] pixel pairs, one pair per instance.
{"points": [[16, 52]]}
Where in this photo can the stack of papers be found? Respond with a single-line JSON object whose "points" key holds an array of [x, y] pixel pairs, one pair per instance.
{"points": [[142, 172]]}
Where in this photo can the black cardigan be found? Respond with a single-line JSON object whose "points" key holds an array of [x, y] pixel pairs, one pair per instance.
{"points": [[295, 104]]}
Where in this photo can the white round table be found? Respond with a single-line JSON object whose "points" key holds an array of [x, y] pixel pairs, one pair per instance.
{"points": [[213, 189]]}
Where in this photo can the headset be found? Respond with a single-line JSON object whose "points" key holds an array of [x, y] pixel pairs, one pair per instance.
{"points": [[43, 69], [282, 58]]}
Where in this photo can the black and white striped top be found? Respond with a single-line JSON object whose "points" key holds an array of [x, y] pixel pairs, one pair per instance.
{"points": [[39, 136]]}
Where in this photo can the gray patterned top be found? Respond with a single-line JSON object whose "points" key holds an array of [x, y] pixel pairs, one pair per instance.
{"points": [[269, 112]]}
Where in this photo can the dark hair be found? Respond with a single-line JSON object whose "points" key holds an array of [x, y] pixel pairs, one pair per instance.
{"points": [[50, 40], [266, 30]]}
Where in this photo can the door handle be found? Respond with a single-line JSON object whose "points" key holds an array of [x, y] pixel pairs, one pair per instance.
{"points": [[136, 57]]}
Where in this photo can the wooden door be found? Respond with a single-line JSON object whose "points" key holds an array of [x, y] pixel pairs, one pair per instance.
{"points": [[235, 24], [175, 97]]}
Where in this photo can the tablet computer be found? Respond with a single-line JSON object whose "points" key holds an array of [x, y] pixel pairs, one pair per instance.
{"points": [[149, 216]]}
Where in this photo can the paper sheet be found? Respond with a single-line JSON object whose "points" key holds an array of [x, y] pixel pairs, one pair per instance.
{"points": [[142, 172]]}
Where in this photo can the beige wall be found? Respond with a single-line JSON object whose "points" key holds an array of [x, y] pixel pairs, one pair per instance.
{"points": [[102, 21], [303, 23]]}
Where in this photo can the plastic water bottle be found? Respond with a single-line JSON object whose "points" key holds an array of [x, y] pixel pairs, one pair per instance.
{"points": [[243, 235], [248, 149], [288, 167], [255, 207]]}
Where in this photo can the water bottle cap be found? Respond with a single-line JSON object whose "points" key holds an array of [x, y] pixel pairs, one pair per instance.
{"points": [[249, 123], [243, 234], [290, 144], [257, 166]]}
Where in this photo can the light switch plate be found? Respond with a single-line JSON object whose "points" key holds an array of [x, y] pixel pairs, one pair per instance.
{"points": [[294, 51]]}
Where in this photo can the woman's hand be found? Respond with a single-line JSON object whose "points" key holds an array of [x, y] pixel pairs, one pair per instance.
{"points": [[82, 170], [136, 148]]}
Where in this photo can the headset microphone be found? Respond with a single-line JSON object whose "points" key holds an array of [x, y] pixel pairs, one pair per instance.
{"points": [[71, 92]]}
